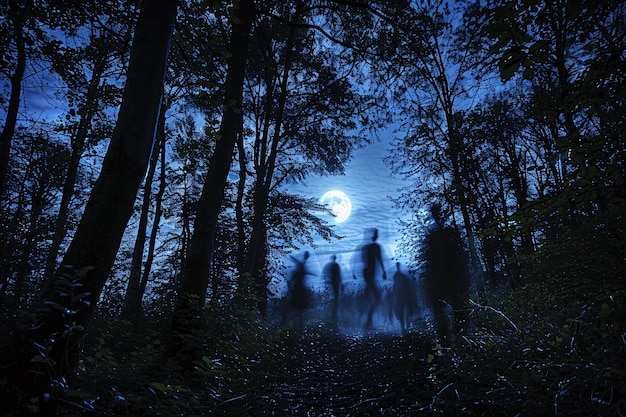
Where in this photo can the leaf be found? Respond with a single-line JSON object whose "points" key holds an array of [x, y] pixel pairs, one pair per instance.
{"points": [[509, 64], [159, 386], [605, 310], [529, 73]]}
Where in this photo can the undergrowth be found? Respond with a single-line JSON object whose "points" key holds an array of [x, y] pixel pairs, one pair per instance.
{"points": [[555, 346], [528, 352], [566, 360]]}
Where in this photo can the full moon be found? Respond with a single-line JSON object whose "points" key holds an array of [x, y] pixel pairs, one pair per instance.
{"points": [[338, 203]]}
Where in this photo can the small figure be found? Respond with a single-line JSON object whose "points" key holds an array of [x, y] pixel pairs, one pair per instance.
{"points": [[445, 276], [332, 276], [404, 297], [299, 296]]}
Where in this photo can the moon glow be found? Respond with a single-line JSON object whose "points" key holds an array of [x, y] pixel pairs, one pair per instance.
{"points": [[338, 203]]}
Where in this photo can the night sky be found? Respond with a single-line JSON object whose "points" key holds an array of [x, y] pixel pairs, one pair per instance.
{"points": [[369, 183]]}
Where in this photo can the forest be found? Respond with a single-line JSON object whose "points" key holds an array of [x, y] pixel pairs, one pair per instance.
{"points": [[146, 156]]}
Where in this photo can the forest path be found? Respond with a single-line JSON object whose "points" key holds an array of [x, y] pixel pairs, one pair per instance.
{"points": [[375, 374]]}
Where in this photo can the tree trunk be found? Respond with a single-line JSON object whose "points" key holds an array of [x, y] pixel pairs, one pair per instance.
{"points": [[195, 276], [257, 251], [22, 293], [463, 201], [17, 17], [256, 255], [158, 211], [241, 188], [78, 143], [67, 303], [132, 299]]}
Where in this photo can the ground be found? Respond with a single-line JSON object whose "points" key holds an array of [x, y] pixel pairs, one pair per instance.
{"points": [[256, 368], [350, 371], [375, 374]]}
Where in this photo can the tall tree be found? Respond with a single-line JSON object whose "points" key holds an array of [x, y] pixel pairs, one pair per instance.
{"points": [[195, 273], [302, 100], [18, 13], [88, 94], [496, 159], [191, 150], [265, 156], [569, 51], [136, 286], [38, 160], [61, 321], [442, 62]]}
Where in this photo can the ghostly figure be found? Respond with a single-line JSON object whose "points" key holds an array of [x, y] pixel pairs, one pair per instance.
{"points": [[404, 297], [371, 262], [332, 276], [298, 293], [445, 276]]}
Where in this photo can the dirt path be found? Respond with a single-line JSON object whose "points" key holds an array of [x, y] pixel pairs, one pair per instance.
{"points": [[354, 376]]}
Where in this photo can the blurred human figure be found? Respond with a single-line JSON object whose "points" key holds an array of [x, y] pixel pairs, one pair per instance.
{"points": [[404, 297], [299, 296], [445, 276], [371, 258], [332, 276]]}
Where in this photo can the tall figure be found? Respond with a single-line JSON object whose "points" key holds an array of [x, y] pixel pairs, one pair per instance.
{"points": [[332, 276], [445, 276], [371, 258]]}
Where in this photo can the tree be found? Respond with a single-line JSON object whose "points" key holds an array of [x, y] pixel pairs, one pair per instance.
{"points": [[88, 94], [18, 15], [38, 162], [68, 48], [497, 157], [138, 276], [195, 273], [300, 105], [569, 52], [442, 62], [60, 322]]}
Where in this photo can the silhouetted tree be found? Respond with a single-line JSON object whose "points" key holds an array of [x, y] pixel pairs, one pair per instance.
{"points": [[301, 102], [60, 322], [34, 182], [89, 94], [15, 34], [442, 62], [195, 272], [137, 279]]}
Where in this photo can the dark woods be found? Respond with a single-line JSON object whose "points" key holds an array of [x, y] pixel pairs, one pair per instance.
{"points": [[146, 154]]}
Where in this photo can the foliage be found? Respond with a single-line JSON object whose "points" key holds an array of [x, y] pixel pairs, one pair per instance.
{"points": [[546, 349], [569, 356], [245, 359], [33, 379], [39, 163]]}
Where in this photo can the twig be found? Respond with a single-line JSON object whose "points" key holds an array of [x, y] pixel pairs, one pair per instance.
{"points": [[230, 400], [501, 314], [432, 404]]}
